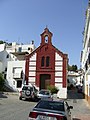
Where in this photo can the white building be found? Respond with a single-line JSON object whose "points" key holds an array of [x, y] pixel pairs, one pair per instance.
{"points": [[74, 78], [85, 55], [12, 63]]}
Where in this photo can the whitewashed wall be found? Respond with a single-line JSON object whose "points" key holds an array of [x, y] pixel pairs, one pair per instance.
{"points": [[32, 69], [3, 59], [58, 66], [14, 64], [62, 93]]}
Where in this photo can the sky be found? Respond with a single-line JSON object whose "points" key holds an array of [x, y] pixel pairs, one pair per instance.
{"points": [[22, 21]]}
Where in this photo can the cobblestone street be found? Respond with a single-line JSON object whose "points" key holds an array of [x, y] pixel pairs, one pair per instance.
{"points": [[81, 109]]}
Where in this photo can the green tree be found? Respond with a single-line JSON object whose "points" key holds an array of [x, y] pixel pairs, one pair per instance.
{"points": [[72, 68], [1, 81], [1, 42], [69, 68]]}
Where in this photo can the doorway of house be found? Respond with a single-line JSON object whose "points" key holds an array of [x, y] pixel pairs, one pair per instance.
{"points": [[44, 81]]}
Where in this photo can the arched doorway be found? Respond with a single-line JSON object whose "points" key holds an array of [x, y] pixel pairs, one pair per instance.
{"points": [[44, 81]]}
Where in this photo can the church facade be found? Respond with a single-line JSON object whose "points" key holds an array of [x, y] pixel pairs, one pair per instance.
{"points": [[47, 66]]}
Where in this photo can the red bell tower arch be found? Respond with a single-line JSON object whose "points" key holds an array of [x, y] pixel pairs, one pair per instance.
{"points": [[46, 37], [45, 68]]}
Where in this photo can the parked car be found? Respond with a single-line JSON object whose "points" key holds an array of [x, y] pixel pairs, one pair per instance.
{"points": [[51, 110], [28, 92], [43, 93]]}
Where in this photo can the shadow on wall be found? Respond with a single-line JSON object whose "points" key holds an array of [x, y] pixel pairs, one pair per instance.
{"points": [[73, 94]]}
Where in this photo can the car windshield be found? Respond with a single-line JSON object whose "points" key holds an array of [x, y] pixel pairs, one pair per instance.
{"points": [[27, 88], [51, 105], [44, 92]]}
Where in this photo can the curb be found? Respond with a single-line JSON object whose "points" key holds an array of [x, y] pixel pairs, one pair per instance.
{"points": [[11, 93]]}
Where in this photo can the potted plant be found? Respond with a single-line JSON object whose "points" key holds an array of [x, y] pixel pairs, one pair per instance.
{"points": [[53, 90]]}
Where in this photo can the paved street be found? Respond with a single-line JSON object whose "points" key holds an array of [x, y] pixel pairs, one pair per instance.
{"points": [[13, 109], [81, 109]]}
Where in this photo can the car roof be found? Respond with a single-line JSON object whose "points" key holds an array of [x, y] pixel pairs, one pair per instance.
{"points": [[44, 90], [55, 100], [50, 105], [51, 100]]}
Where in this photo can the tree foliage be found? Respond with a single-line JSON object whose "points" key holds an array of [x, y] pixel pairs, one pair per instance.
{"points": [[53, 89], [1, 41], [72, 68]]}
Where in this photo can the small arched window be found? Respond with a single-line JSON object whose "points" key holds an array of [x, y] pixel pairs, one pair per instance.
{"points": [[7, 56], [46, 39], [47, 61], [42, 61]]}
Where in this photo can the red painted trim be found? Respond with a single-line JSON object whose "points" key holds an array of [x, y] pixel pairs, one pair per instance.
{"points": [[58, 76], [45, 70], [64, 72], [27, 70]]}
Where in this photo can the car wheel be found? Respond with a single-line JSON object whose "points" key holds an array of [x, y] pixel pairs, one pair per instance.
{"points": [[28, 92], [20, 98]]}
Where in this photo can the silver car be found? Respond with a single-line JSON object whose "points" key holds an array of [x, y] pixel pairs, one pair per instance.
{"points": [[43, 93], [51, 110]]}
